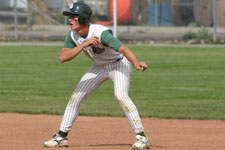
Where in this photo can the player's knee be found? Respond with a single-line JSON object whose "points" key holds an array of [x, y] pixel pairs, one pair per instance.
{"points": [[120, 96], [77, 98]]}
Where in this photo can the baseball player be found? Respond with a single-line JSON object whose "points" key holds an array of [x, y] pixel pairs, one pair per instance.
{"points": [[111, 60]]}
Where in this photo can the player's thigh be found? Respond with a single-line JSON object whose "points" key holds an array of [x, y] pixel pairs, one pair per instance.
{"points": [[91, 80], [121, 76]]}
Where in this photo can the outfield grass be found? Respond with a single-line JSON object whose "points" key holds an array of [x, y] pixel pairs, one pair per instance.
{"points": [[182, 83]]}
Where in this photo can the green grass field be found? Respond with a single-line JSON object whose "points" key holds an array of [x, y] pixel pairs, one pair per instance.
{"points": [[181, 83]]}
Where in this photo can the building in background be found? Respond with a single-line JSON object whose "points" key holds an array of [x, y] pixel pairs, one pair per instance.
{"points": [[130, 12]]}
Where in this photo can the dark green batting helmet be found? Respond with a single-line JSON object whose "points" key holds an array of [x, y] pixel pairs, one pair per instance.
{"points": [[81, 9]]}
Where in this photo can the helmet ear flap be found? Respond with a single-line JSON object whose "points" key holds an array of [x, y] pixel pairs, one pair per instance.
{"points": [[83, 19]]}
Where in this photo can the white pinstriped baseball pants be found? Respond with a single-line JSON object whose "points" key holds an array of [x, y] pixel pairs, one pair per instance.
{"points": [[119, 72]]}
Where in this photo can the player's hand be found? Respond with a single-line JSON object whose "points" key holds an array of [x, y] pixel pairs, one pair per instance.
{"points": [[141, 66], [92, 41]]}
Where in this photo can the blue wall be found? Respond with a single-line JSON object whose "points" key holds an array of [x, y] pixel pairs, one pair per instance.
{"points": [[164, 15]]}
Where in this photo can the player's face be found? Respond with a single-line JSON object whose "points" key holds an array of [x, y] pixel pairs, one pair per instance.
{"points": [[74, 23]]}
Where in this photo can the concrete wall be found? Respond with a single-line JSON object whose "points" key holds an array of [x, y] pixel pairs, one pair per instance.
{"points": [[9, 4]]}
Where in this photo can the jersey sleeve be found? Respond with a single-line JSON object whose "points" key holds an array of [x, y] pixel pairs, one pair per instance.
{"points": [[68, 43], [109, 40]]}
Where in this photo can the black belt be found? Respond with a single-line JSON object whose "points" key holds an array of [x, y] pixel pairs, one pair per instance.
{"points": [[118, 60]]}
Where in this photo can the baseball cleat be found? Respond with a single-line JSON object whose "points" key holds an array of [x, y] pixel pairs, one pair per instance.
{"points": [[141, 143], [56, 141]]}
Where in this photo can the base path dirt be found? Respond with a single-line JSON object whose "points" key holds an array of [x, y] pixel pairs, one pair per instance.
{"points": [[28, 132]]}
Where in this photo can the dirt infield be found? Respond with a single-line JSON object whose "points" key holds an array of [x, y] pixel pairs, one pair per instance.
{"points": [[28, 132]]}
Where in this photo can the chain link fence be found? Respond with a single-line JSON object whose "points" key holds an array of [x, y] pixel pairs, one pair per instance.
{"points": [[131, 13]]}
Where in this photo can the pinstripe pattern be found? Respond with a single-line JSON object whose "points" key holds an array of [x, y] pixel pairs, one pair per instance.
{"points": [[88, 83], [106, 66], [121, 79], [119, 73], [107, 57]]}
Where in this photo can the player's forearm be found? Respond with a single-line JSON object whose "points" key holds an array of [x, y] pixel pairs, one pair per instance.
{"points": [[68, 54], [128, 54]]}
